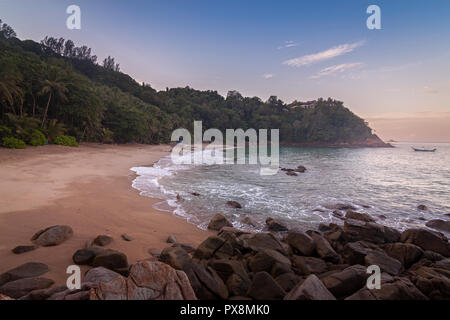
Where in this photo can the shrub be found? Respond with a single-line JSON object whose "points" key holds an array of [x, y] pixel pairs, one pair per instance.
{"points": [[13, 143], [37, 138], [66, 141], [5, 132]]}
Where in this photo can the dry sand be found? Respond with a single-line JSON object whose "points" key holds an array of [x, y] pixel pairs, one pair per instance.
{"points": [[89, 189]]}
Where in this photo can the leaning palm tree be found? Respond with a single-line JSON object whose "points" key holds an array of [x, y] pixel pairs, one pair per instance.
{"points": [[55, 90], [9, 90]]}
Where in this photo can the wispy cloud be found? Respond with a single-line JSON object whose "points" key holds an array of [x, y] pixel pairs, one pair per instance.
{"points": [[337, 69], [429, 90], [268, 76], [288, 44], [324, 55]]}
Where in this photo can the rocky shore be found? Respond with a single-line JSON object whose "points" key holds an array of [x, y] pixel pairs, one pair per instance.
{"points": [[325, 264]]}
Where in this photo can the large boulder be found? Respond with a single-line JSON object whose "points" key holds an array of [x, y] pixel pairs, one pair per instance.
{"points": [[397, 289], [357, 230], [176, 257], [264, 287], [264, 260], [288, 281], [310, 289], [385, 262], [27, 270], [310, 265], [432, 281], [52, 236], [324, 249], [301, 242], [347, 281], [262, 241], [214, 246], [100, 274], [233, 273], [406, 253], [148, 280], [206, 282], [110, 259], [427, 240], [218, 222], [439, 224], [355, 252], [19, 288]]}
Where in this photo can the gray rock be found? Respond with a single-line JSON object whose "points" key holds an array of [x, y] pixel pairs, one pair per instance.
{"points": [[100, 274], [19, 288], [310, 289], [248, 221], [52, 236], [27, 270]]}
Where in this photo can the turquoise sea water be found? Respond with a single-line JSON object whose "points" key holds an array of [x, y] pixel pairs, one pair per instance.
{"points": [[390, 182]]}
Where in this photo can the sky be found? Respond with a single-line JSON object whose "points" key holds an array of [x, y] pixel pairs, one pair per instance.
{"points": [[397, 77]]}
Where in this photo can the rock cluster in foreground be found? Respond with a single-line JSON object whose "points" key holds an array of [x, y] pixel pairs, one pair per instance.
{"points": [[236, 265]]}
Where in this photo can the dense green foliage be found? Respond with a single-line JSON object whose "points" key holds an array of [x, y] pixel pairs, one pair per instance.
{"points": [[65, 141], [58, 88], [13, 143]]}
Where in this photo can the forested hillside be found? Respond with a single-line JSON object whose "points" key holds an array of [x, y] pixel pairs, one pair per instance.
{"points": [[55, 89]]}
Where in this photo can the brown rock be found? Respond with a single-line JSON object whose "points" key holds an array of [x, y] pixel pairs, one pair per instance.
{"points": [[346, 282], [19, 288], [422, 207], [261, 241], [439, 225], [110, 259], [23, 249], [309, 265], [355, 252], [176, 257], [248, 221], [126, 237], [86, 256], [3, 297], [206, 282], [264, 260], [214, 247], [100, 274], [310, 289], [218, 222], [359, 216], [288, 281], [234, 204], [52, 236], [273, 225], [27, 270], [324, 249], [427, 240], [406, 253], [103, 240], [370, 231], [301, 242], [264, 287], [385, 262]]}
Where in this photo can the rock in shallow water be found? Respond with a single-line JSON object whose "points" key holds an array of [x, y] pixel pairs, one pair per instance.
{"points": [[439, 225], [218, 222]]}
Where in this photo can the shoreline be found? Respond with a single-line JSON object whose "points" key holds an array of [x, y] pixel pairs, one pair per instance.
{"points": [[89, 189]]}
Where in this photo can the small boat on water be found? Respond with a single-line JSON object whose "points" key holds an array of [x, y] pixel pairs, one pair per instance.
{"points": [[424, 150]]}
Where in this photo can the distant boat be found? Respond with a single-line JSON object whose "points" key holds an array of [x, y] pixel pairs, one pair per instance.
{"points": [[424, 150]]}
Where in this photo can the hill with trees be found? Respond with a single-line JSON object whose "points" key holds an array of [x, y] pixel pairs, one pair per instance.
{"points": [[54, 89]]}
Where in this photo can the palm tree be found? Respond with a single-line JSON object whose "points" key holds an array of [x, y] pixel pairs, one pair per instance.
{"points": [[56, 90], [10, 91]]}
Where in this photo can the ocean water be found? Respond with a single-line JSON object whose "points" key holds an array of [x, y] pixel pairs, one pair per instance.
{"points": [[389, 182]]}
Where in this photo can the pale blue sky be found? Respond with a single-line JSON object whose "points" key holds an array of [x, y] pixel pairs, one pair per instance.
{"points": [[398, 77]]}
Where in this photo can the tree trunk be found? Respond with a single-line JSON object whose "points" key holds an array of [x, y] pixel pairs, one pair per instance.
{"points": [[46, 110]]}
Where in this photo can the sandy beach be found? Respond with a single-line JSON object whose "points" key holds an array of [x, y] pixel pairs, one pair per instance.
{"points": [[89, 189]]}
